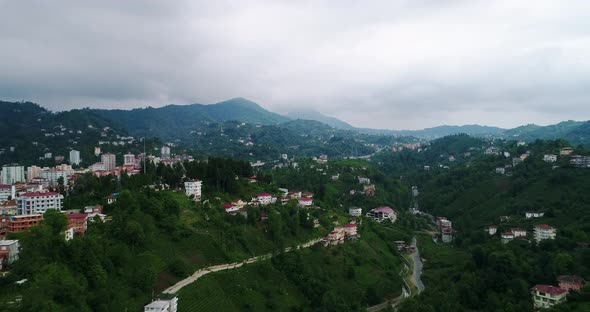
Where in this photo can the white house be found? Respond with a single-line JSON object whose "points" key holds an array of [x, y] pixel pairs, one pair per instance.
{"points": [[355, 212], [364, 180], [544, 231], [550, 158], [229, 208], [507, 237], [7, 191], [492, 229], [193, 188], [305, 201], [546, 296], [9, 250], [518, 232], [162, 305], [531, 214], [380, 214]]}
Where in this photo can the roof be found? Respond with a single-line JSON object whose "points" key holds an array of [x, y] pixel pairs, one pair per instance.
{"points": [[305, 199], [507, 234], [544, 226], [226, 206], [518, 229], [387, 210], [5, 186], [570, 279], [160, 304], [38, 194], [264, 194], [76, 216], [552, 290], [350, 225]]}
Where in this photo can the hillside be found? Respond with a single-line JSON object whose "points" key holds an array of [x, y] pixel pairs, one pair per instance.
{"points": [[317, 116]]}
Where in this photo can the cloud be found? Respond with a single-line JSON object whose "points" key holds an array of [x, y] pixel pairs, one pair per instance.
{"points": [[387, 64]]}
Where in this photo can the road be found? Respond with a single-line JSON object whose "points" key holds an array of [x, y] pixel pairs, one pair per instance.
{"points": [[228, 266], [417, 272]]}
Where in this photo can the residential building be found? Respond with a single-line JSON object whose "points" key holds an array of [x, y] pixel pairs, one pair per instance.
{"points": [[93, 209], [38, 202], [162, 305], [507, 237], [492, 229], [9, 250], [305, 201], [501, 170], [264, 198], [339, 233], [33, 172], [8, 208], [580, 161], [109, 161], [381, 214], [369, 189], [77, 223], [97, 151], [570, 282], [52, 175], [238, 203], [364, 180], [193, 188], [129, 159], [566, 151], [165, 152], [551, 158], [22, 223], [446, 234], [532, 214], [546, 296], [229, 208], [7, 191], [516, 161], [12, 173], [74, 157], [544, 231], [355, 211], [518, 232]]}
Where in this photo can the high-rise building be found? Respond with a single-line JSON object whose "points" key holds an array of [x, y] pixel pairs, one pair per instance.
{"points": [[33, 172], [129, 159], [74, 157], [193, 188], [52, 175], [165, 152], [12, 173], [38, 202], [109, 161]]}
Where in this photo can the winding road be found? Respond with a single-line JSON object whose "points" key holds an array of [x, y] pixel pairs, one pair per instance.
{"points": [[228, 266], [417, 272]]}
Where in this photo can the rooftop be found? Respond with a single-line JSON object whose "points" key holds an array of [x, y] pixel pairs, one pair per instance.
{"points": [[552, 290]]}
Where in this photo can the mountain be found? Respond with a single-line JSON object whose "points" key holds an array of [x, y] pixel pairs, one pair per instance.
{"points": [[574, 131], [173, 122], [317, 116]]}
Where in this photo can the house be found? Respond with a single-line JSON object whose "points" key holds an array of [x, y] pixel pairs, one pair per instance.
{"points": [[369, 189], [305, 202], [531, 214], [339, 233], [443, 222], [38, 202], [492, 229], [93, 209], [9, 250], [264, 198], [507, 237], [404, 248], [381, 214], [501, 170], [364, 180], [544, 231], [355, 212], [518, 232], [8, 208], [229, 208], [551, 158], [77, 223], [546, 296], [193, 188], [162, 305], [570, 282], [446, 234], [504, 218], [566, 151], [238, 203], [580, 161], [22, 223], [111, 199], [516, 161], [7, 191], [336, 177]]}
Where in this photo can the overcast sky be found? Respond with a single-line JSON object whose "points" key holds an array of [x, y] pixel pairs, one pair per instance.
{"points": [[380, 64]]}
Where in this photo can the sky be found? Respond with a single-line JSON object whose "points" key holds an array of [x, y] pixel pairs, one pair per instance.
{"points": [[380, 64]]}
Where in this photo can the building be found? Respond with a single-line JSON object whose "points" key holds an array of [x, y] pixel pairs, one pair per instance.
{"points": [[501, 170], [364, 180], [339, 233], [8, 208], [76, 223], [492, 229], [17, 224], [580, 161], [532, 214], [544, 231], [97, 151], [193, 188], [74, 157], [305, 201], [546, 296], [52, 175], [355, 212], [33, 172], [129, 159], [38, 202], [12, 173], [507, 237], [566, 151], [229, 208], [93, 209], [369, 189], [381, 214], [570, 282], [518, 232], [264, 198], [165, 152], [9, 250], [162, 305], [446, 234], [6, 192], [551, 158], [109, 161]]}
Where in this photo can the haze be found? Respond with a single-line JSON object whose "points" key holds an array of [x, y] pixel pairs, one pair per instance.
{"points": [[380, 64]]}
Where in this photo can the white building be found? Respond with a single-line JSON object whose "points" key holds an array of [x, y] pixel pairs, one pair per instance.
{"points": [[550, 158], [532, 214], [507, 237], [7, 191], [109, 161], [52, 175], [165, 152], [264, 198], [97, 151], [546, 296], [544, 231], [492, 230], [355, 212], [9, 250], [364, 180], [162, 305], [74, 157], [129, 159], [12, 173], [518, 232], [193, 188], [33, 172], [38, 202], [305, 201], [381, 214]]}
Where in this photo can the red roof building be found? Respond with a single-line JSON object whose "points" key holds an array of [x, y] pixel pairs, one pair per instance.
{"points": [[570, 282]]}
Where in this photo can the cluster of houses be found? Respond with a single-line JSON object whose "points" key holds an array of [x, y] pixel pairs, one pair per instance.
{"points": [[445, 228], [540, 231], [341, 233], [304, 200], [546, 296]]}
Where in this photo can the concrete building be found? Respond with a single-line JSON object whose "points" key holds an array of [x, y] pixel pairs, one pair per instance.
{"points": [[52, 175], [162, 305], [74, 157], [129, 159], [165, 152], [305, 201], [550, 158], [193, 188], [7, 191], [570, 282], [12, 173], [355, 211], [109, 161], [507, 237], [381, 214], [38, 202], [544, 231], [97, 151], [9, 250], [546, 296], [17, 224]]}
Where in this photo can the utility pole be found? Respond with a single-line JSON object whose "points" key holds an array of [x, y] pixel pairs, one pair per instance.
{"points": [[144, 163]]}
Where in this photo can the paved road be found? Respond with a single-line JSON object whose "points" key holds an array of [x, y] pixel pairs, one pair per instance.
{"points": [[228, 266], [417, 273]]}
